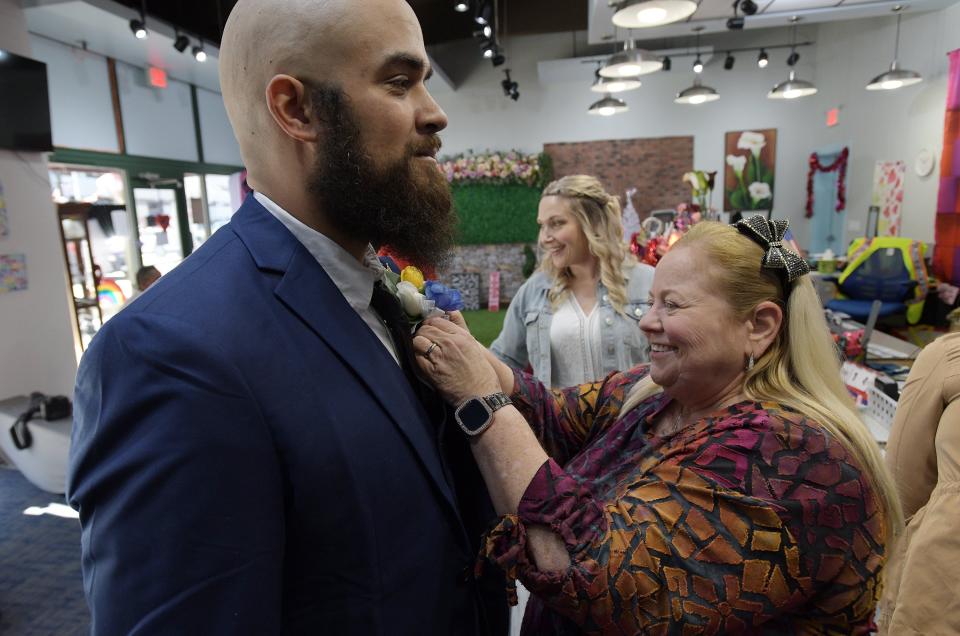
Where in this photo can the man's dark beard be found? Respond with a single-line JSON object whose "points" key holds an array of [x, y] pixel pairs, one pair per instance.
{"points": [[405, 207]]}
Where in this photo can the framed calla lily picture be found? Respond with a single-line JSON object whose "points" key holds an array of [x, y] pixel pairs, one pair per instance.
{"points": [[750, 161]]}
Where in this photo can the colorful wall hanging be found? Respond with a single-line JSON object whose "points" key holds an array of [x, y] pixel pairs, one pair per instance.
{"points": [[4, 223], [838, 164], [13, 272], [888, 195], [946, 256], [750, 160]]}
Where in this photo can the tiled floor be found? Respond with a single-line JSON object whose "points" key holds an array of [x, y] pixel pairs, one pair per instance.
{"points": [[41, 590]]}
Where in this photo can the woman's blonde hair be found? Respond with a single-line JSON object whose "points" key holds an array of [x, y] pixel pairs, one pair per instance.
{"points": [[598, 214], [801, 368]]}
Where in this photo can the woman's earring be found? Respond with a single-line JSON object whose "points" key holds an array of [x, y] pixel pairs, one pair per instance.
{"points": [[750, 363]]}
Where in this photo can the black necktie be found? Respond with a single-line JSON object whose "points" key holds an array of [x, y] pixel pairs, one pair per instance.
{"points": [[395, 318]]}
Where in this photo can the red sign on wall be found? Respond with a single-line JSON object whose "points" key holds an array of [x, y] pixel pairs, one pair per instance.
{"points": [[158, 77], [493, 300]]}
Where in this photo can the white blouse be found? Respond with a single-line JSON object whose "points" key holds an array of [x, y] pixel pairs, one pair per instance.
{"points": [[574, 344]]}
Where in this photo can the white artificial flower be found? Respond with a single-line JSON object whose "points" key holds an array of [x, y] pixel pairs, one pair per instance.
{"points": [[752, 141], [414, 303], [737, 162], [759, 191]]}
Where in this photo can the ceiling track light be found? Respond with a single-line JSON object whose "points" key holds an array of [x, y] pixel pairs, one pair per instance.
{"points": [[139, 29], [181, 42], [139, 26], [763, 59], [698, 63], [896, 77], [484, 14], [461, 6], [667, 64], [198, 53], [697, 94], [729, 61], [510, 88], [607, 106], [631, 62], [793, 58], [642, 14]]}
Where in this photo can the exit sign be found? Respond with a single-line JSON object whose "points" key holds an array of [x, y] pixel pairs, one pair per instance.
{"points": [[157, 77], [833, 117]]}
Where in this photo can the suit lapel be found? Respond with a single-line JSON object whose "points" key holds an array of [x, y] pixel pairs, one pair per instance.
{"points": [[310, 293]]}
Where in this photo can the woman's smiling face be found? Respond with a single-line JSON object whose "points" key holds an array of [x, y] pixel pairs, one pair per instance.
{"points": [[698, 346], [561, 236]]}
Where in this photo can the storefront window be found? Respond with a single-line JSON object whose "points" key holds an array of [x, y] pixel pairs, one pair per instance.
{"points": [[160, 243], [196, 209], [219, 204]]}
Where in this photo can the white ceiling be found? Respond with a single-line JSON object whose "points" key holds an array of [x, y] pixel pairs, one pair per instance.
{"points": [[712, 16], [104, 27]]}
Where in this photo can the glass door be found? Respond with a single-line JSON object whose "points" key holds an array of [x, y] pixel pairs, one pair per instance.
{"points": [[164, 240]]}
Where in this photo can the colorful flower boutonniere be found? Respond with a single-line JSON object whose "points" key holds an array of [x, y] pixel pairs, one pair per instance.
{"points": [[420, 298]]}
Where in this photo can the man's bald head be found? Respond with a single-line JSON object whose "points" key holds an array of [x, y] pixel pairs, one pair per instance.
{"points": [[312, 39]]}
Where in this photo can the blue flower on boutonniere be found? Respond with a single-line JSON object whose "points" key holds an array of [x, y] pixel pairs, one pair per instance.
{"points": [[421, 299], [446, 298]]}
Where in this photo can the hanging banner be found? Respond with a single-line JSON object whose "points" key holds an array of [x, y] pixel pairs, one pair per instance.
{"points": [[888, 195]]}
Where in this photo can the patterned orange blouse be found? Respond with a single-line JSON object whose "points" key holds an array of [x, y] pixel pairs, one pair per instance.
{"points": [[755, 520]]}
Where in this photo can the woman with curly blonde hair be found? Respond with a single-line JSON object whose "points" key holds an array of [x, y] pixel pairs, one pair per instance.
{"points": [[576, 319]]}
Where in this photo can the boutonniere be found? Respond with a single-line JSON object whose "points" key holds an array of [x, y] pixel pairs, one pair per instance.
{"points": [[420, 298]]}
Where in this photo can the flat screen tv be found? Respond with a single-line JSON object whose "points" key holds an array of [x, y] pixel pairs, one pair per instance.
{"points": [[24, 104]]}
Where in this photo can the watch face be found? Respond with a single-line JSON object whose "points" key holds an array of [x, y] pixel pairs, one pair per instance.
{"points": [[473, 414]]}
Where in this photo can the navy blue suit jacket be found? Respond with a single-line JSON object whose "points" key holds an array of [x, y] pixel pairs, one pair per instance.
{"points": [[247, 458]]}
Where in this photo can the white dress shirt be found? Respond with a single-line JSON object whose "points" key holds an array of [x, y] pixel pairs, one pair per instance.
{"points": [[354, 279]]}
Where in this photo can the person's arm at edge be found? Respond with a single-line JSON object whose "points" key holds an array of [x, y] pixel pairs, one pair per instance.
{"points": [[911, 452]]}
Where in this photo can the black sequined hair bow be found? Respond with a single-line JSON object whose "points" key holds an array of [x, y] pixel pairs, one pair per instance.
{"points": [[769, 236]]}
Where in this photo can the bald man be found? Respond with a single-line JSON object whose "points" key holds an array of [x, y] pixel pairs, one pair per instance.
{"points": [[253, 452]]}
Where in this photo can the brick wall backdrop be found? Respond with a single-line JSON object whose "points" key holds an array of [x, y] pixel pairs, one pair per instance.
{"points": [[654, 167]]}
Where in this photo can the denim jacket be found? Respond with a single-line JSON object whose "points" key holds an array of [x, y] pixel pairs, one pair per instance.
{"points": [[525, 338]]}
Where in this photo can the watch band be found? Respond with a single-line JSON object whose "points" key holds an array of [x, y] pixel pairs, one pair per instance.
{"points": [[497, 400]]}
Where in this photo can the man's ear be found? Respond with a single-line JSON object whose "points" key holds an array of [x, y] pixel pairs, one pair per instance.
{"points": [[763, 326], [287, 102]]}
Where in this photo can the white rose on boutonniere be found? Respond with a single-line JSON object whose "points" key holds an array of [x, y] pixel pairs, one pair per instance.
{"points": [[414, 303]]}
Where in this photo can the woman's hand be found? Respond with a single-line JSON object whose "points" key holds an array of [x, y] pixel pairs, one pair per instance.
{"points": [[453, 360]]}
